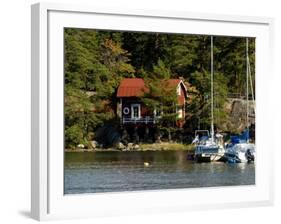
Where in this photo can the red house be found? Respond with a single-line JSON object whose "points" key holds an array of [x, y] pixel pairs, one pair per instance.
{"points": [[132, 111]]}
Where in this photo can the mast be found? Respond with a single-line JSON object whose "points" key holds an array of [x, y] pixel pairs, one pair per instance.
{"points": [[251, 83], [247, 87], [212, 91]]}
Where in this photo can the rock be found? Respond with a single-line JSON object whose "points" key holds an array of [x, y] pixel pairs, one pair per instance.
{"points": [[236, 109], [81, 146], [121, 146], [125, 149], [136, 146], [94, 144]]}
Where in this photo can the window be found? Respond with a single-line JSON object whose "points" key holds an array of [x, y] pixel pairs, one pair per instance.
{"points": [[158, 111], [135, 108]]}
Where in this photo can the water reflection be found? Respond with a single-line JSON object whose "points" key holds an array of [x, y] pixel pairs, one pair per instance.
{"points": [[125, 171]]}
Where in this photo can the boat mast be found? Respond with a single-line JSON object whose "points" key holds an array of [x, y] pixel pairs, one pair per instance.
{"points": [[212, 91], [251, 83], [247, 86]]}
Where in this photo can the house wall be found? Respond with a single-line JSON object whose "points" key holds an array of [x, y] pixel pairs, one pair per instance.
{"points": [[128, 101], [149, 112]]}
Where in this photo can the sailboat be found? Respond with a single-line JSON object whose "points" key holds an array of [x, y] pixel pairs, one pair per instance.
{"points": [[207, 149], [240, 149]]}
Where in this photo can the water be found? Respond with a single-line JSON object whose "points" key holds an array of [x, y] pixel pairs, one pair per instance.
{"points": [[93, 172]]}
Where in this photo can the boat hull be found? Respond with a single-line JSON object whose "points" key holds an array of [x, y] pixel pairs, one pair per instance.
{"points": [[208, 153], [209, 157], [240, 153]]}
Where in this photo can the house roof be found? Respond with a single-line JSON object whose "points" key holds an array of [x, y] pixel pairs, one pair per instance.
{"points": [[173, 82], [130, 87], [135, 87]]}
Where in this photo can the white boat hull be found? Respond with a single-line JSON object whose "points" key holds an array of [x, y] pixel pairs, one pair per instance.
{"points": [[208, 153], [209, 157]]}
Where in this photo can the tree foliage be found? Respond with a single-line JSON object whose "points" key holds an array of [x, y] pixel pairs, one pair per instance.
{"points": [[96, 61], [161, 97], [94, 65]]}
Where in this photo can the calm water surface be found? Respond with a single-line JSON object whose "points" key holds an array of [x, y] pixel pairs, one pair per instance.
{"points": [[125, 171]]}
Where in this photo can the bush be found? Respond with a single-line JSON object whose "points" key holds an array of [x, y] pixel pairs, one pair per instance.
{"points": [[73, 136]]}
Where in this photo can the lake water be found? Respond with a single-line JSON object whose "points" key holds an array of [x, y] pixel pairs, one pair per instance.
{"points": [[93, 172]]}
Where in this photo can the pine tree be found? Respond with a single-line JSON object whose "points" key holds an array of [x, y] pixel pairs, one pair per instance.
{"points": [[161, 97], [94, 65], [96, 61]]}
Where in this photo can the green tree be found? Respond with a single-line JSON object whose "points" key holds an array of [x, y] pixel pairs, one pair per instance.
{"points": [[146, 48], [94, 65], [162, 97], [96, 61]]}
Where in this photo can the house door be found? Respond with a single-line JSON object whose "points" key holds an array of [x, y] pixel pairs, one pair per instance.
{"points": [[135, 111]]}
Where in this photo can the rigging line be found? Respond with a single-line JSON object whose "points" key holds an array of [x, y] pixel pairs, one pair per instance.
{"points": [[212, 91], [247, 83], [251, 82], [251, 85]]}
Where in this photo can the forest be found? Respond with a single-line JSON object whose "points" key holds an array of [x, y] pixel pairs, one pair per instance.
{"points": [[97, 60]]}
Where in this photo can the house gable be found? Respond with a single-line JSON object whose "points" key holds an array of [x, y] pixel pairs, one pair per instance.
{"points": [[132, 111]]}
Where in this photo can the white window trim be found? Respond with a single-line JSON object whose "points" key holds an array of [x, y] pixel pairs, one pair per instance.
{"points": [[155, 111], [132, 110], [179, 89]]}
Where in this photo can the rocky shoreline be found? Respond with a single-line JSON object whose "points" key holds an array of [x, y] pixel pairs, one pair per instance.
{"points": [[136, 147]]}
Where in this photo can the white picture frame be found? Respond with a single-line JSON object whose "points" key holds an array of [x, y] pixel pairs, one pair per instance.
{"points": [[48, 201]]}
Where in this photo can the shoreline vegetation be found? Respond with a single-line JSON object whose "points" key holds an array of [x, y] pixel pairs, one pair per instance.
{"points": [[96, 62], [131, 147]]}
